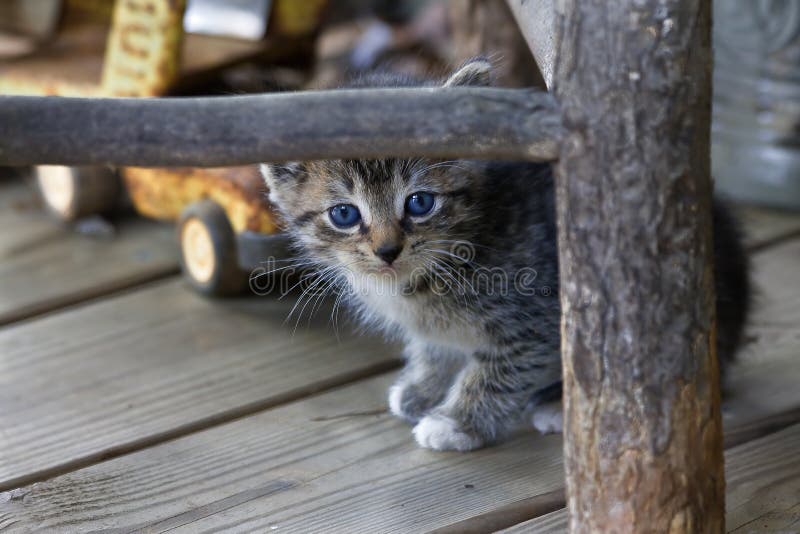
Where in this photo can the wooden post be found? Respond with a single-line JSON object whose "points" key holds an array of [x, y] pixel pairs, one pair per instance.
{"points": [[643, 444]]}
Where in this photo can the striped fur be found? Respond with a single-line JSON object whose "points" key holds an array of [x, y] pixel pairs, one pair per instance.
{"points": [[474, 292]]}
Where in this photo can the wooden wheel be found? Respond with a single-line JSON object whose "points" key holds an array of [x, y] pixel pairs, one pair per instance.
{"points": [[208, 250], [75, 192]]}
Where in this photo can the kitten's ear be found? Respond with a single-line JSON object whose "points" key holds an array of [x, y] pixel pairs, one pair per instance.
{"points": [[280, 177], [476, 71]]}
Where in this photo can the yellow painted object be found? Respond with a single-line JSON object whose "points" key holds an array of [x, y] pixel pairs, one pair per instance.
{"points": [[133, 48], [134, 52], [164, 193], [143, 51], [293, 17]]}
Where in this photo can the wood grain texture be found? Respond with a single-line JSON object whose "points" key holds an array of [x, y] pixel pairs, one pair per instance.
{"points": [[129, 371], [338, 461], [237, 130], [335, 461], [45, 265], [775, 317], [763, 493], [306, 467], [553, 523], [764, 484], [643, 436]]}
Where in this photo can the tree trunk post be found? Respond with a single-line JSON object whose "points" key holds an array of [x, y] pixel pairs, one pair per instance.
{"points": [[643, 441]]}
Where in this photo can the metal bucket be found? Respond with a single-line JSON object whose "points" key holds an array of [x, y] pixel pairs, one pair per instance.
{"points": [[756, 120]]}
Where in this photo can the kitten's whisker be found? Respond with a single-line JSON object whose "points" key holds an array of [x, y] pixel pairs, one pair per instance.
{"points": [[464, 261], [464, 292], [307, 300], [284, 260], [334, 282], [445, 164], [461, 290], [335, 279], [305, 278], [321, 292], [265, 273], [320, 276], [460, 242], [440, 271], [334, 317]]}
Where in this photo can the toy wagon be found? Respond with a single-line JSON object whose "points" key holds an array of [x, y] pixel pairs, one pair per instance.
{"points": [[137, 48]]}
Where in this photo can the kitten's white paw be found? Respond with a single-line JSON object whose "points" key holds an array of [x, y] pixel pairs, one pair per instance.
{"points": [[548, 418], [441, 433], [395, 399]]}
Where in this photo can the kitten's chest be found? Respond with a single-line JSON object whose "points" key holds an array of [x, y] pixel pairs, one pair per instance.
{"points": [[430, 318]]}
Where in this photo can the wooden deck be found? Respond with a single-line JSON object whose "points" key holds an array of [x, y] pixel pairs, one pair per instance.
{"points": [[129, 403]]}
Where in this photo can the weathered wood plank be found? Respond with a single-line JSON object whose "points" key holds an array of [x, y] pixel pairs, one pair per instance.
{"points": [[763, 493], [338, 461], [238, 130], [766, 227], [776, 303], [764, 484], [293, 462], [45, 265], [553, 523], [132, 370], [307, 467], [335, 460]]}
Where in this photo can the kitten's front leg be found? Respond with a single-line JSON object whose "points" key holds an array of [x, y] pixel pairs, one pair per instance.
{"points": [[483, 405], [424, 381]]}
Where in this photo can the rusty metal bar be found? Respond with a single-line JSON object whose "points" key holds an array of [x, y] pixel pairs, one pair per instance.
{"points": [[236, 130]]}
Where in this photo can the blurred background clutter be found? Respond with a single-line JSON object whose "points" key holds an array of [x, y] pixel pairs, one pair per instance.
{"points": [[147, 48], [130, 402], [756, 128]]}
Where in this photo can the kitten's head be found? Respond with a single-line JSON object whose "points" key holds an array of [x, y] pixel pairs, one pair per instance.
{"points": [[391, 215]]}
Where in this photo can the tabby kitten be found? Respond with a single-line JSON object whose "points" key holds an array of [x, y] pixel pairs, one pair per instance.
{"points": [[458, 258]]}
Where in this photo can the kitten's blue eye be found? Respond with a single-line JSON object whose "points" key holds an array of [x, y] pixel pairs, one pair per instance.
{"points": [[420, 203], [344, 215]]}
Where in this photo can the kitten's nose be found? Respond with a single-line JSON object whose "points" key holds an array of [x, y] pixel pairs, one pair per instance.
{"points": [[388, 252]]}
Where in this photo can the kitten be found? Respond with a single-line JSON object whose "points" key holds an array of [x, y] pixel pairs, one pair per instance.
{"points": [[459, 259]]}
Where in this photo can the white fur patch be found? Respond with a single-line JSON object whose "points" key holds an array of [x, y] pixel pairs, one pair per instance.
{"points": [[395, 398], [548, 418], [475, 72], [442, 434], [269, 179]]}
